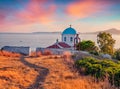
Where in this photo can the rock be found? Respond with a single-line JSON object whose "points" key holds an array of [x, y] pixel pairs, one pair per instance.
{"points": [[80, 54], [107, 56]]}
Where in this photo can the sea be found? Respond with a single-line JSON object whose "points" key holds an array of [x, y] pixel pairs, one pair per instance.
{"points": [[42, 39]]}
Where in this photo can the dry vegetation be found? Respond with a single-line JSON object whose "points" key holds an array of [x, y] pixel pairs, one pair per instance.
{"points": [[14, 74], [44, 72], [62, 76], [9, 54]]}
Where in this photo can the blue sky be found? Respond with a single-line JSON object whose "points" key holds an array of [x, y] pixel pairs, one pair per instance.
{"points": [[56, 15]]}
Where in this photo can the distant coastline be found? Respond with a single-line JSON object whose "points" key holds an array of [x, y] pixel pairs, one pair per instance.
{"points": [[46, 32], [113, 31], [31, 33]]}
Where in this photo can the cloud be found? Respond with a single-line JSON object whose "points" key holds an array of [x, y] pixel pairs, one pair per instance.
{"points": [[23, 14], [32, 11], [37, 11], [2, 17], [7, 10], [82, 9]]}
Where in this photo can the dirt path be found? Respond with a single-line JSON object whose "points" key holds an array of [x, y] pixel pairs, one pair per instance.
{"points": [[43, 72], [55, 73]]}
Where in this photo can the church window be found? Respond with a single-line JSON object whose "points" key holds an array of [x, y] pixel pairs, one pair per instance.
{"points": [[64, 38], [71, 39]]}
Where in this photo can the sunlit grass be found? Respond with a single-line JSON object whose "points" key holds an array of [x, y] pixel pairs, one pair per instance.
{"points": [[9, 54], [15, 75]]}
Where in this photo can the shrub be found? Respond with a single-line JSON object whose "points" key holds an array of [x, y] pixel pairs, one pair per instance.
{"points": [[117, 78], [100, 69], [107, 63], [117, 54], [94, 52], [38, 54], [86, 45], [47, 52], [97, 71]]}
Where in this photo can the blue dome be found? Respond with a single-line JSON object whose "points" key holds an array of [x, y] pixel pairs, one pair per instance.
{"points": [[69, 31]]}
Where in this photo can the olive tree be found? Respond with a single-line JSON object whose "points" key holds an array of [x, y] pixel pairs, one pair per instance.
{"points": [[106, 42]]}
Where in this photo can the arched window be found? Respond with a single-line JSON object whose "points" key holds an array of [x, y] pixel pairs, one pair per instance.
{"points": [[71, 39], [64, 38]]}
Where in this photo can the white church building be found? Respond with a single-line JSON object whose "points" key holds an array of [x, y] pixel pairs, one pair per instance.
{"points": [[68, 36], [69, 39], [68, 42]]}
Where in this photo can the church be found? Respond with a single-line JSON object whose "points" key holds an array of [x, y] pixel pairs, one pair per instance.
{"points": [[69, 39]]}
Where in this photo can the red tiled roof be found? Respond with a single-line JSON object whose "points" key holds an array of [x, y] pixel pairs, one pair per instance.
{"points": [[64, 45], [59, 45], [54, 46]]}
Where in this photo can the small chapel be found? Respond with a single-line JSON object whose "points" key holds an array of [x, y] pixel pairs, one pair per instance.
{"points": [[69, 39]]}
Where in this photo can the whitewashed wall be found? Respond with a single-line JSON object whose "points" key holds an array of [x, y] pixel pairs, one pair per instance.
{"points": [[15, 49], [68, 41], [57, 51]]}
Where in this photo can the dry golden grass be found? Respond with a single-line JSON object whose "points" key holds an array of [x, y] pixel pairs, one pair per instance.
{"points": [[9, 54], [62, 77], [47, 52], [16, 74], [38, 54]]}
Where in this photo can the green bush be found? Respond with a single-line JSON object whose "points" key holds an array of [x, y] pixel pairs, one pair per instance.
{"points": [[117, 78], [94, 53], [86, 45], [100, 69], [117, 54], [107, 63]]}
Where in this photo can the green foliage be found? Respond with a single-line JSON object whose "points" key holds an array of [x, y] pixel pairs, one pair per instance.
{"points": [[117, 54], [107, 63], [117, 78], [97, 71], [86, 45], [100, 69], [94, 52], [106, 43]]}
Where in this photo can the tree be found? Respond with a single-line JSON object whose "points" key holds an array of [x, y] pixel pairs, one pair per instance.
{"points": [[106, 42], [86, 45]]}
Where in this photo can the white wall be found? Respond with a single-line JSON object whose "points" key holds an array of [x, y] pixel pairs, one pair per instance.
{"points": [[55, 51], [68, 41], [21, 50]]}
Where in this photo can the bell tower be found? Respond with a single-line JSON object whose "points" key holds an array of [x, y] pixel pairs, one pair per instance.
{"points": [[76, 40]]}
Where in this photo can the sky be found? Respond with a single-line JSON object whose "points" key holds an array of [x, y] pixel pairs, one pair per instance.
{"points": [[26, 16]]}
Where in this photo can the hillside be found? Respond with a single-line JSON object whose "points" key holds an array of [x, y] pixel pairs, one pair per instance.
{"points": [[111, 31], [45, 72]]}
